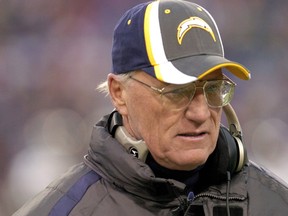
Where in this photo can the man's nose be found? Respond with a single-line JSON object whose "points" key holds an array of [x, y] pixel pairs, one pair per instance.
{"points": [[198, 109]]}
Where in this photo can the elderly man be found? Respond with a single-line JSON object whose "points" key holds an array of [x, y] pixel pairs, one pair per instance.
{"points": [[163, 150]]}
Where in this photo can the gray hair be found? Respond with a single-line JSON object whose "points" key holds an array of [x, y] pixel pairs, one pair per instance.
{"points": [[104, 88]]}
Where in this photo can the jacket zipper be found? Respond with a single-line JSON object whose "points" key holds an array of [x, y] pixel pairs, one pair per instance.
{"points": [[218, 197]]}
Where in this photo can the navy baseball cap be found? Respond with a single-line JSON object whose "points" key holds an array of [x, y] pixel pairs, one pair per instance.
{"points": [[174, 41]]}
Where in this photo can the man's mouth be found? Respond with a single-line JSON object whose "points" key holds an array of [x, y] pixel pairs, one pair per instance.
{"points": [[192, 134]]}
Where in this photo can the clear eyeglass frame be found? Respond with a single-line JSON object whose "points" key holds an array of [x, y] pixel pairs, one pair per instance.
{"points": [[217, 92]]}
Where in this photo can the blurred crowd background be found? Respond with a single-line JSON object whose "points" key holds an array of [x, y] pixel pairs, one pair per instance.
{"points": [[53, 53]]}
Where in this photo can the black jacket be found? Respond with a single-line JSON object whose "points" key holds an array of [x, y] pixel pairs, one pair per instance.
{"points": [[112, 182]]}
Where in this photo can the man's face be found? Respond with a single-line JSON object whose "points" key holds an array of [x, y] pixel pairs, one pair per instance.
{"points": [[179, 140]]}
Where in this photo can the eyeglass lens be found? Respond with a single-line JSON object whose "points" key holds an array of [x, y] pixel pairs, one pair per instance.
{"points": [[217, 93]]}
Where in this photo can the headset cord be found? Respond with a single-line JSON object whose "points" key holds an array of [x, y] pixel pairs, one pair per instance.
{"points": [[227, 193]]}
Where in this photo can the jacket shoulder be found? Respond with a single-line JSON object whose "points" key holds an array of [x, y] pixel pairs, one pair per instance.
{"points": [[267, 192]]}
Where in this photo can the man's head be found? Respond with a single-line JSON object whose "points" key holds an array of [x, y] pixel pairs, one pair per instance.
{"points": [[167, 81]]}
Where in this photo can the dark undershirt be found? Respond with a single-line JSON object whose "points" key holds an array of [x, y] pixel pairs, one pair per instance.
{"points": [[189, 178]]}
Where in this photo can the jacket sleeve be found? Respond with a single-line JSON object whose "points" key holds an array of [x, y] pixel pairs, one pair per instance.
{"points": [[61, 196]]}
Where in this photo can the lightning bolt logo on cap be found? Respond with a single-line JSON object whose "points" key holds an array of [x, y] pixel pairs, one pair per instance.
{"points": [[192, 22]]}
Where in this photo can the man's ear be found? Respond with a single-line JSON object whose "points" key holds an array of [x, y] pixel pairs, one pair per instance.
{"points": [[117, 93]]}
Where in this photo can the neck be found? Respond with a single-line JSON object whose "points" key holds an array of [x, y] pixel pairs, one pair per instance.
{"points": [[189, 178]]}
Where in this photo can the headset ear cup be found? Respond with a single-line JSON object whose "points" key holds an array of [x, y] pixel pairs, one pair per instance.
{"points": [[236, 153], [242, 154], [229, 147], [235, 132]]}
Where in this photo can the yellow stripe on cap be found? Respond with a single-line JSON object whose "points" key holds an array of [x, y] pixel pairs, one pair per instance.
{"points": [[236, 69], [154, 45], [147, 34]]}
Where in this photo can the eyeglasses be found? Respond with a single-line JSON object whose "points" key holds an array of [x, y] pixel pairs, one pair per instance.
{"points": [[218, 93]]}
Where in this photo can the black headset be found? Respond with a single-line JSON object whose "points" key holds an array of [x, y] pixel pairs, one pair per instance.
{"points": [[229, 154]]}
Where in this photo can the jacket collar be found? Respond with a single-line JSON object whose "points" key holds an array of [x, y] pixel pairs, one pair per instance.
{"points": [[126, 171]]}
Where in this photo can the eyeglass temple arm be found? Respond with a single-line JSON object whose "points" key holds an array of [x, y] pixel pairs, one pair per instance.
{"points": [[233, 122]]}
